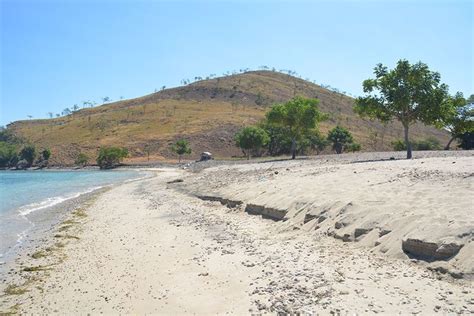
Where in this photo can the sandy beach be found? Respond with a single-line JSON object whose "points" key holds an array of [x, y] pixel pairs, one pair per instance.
{"points": [[350, 234]]}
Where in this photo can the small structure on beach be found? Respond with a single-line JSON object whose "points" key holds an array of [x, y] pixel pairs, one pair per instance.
{"points": [[205, 156]]}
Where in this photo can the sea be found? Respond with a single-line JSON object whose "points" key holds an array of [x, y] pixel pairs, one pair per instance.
{"points": [[33, 199]]}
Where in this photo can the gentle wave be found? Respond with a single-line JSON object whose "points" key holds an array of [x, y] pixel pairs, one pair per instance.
{"points": [[33, 207]]}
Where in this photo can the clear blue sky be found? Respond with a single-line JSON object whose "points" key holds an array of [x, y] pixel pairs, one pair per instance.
{"points": [[58, 53]]}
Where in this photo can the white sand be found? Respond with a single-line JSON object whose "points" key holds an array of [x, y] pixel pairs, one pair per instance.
{"points": [[147, 247]]}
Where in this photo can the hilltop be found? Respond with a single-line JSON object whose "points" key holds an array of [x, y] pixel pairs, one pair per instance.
{"points": [[207, 112]]}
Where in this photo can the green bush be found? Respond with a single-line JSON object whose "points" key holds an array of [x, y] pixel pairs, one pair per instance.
{"points": [[430, 143], [8, 155], [317, 142], [46, 154], [81, 160], [251, 139], [399, 145], [180, 148], [353, 147], [340, 138], [467, 140], [109, 157], [28, 153]]}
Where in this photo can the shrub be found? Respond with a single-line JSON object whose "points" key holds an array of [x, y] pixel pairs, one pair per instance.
{"points": [[340, 138], [109, 157], [46, 154], [28, 153], [429, 143], [180, 148], [251, 139], [353, 147], [317, 142], [399, 145], [467, 140], [8, 155], [81, 160]]}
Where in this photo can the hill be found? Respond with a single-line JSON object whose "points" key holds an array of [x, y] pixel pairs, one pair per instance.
{"points": [[208, 113]]}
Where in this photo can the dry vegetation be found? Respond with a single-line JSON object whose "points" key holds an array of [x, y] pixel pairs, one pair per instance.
{"points": [[207, 113]]}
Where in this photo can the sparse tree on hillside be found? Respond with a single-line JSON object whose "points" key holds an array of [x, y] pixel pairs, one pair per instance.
{"points": [[297, 116], [105, 100], [58, 115], [251, 139], [163, 88], [30, 116], [181, 147], [66, 112], [75, 107], [50, 114], [408, 93]]}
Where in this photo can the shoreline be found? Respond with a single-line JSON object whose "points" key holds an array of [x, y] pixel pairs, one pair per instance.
{"points": [[42, 219], [146, 246]]}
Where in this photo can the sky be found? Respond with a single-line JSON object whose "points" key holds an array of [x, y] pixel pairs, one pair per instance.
{"points": [[55, 54]]}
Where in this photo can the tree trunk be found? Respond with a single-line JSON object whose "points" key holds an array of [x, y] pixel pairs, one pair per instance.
{"points": [[293, 148], [449, 143], [179, 158], [338, 148], [407, 141]]}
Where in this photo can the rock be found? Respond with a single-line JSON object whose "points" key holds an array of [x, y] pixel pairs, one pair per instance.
{"points": [[430, 250], [22, 165]]}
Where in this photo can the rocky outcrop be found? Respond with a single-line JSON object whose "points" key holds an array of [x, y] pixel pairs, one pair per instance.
{"points": [[430, 251], [22, 165]]}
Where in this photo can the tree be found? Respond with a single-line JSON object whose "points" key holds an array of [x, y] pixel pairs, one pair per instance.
{"points": [[75, 107], [408, 93], [461, 118], [50, 114], [340, 138], [181, 147], [297, 116], [28, 153], [66, 111], [81, 160], [46, 154], [251, 139], [105, 100], [109, 157]]}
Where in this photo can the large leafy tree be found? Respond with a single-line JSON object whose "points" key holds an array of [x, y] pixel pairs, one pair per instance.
{"points": [[297, 116], [251, 139], [461, 118], [408, 93]]}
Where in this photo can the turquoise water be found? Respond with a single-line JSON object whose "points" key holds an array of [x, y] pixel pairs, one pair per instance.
{"points": [[24, 195]]}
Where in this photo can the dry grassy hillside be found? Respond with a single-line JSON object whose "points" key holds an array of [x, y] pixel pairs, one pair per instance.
{"points": [[207, 113]]}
